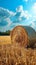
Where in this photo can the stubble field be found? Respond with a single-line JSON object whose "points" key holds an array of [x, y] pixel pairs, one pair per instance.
{"points": [[5, 40], [11, 54]]}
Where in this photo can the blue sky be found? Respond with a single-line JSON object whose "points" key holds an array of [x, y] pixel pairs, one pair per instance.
{"points": [[17, 12], [13, 4]]}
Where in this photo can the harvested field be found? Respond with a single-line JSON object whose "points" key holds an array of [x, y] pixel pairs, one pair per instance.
{"points": [[13, 54], [5, 40], [16, 55]]}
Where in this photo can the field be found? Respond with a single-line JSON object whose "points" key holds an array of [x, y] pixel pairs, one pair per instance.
{"points": [[5, 40], [11, 54]]}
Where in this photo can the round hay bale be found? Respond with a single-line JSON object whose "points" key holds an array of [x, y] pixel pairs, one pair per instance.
{"points": [[19, 36]]}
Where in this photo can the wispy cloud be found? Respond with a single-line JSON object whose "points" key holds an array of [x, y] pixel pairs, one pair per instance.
{"points": [[25, 0], [21, 13], [9, 19], [5, 20], [33, 16]]}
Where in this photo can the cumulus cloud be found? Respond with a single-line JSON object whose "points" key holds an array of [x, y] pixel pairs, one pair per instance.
{"points": [[33, 24], [33, 16], [5, 20], [5, 12], [22, 17], [33, 9], [21, 14], [9, 19]]}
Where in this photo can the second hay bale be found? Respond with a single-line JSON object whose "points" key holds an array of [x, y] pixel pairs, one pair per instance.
{"points": [[19, 36]]}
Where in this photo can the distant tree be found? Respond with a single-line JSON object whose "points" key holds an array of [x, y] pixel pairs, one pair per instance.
{"points": [[5, 33]]}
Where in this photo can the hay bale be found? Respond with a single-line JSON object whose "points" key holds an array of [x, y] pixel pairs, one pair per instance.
{"points": [[19, 36]]}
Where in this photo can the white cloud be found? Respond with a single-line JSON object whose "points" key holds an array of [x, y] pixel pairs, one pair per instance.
{"points": [[5, 19], [3, 10], [23, 13], [25, 0], [33, 25], [33, 9], [19, 8], [33, 16], [20, 17], [25, 18]]}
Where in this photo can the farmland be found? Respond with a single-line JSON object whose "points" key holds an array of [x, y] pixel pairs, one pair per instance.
{"points": [[12, 54], [5, 40]]}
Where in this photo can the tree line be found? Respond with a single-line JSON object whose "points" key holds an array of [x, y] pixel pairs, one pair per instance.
{"points": [[5, 33]]}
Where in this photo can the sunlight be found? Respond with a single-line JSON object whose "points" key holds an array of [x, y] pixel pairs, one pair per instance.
{"points": [[34, 9]]}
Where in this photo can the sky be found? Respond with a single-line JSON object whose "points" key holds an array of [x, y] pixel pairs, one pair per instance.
{"points": [[17, 12]]}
